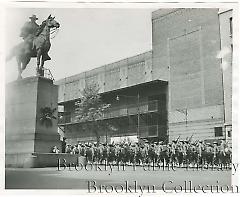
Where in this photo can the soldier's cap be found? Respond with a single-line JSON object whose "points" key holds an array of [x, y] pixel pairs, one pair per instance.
{"points": [[161, 142], [208, 143], [33, 17], [215, 142]]}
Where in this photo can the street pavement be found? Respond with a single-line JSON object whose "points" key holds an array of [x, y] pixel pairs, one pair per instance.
{"points": [[71, 178]]}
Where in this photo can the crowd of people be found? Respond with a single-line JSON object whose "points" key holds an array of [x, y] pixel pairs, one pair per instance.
{"points": [[178, 152]]}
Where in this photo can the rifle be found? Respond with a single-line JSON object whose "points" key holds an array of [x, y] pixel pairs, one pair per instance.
{"points": [[196, 142], [177, 138], [164, 140], [190, 138]]}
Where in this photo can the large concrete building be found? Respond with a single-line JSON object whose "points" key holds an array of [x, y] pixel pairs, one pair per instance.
{"points": [[178, 89]]}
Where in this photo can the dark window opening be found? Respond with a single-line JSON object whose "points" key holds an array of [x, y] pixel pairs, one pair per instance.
{"points": [[229, 133], [218, 131]]}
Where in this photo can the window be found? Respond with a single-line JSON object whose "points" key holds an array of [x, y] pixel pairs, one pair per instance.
{"points": [[218, 131], [229, 133]]}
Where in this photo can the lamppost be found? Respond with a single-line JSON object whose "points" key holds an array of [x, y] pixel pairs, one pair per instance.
{"points": [[138, 111]]}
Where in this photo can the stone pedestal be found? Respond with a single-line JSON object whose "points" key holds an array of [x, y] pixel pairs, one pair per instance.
{"points": [[25, 133]]}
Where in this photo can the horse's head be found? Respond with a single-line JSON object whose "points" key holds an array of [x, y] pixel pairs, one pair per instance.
{"points": [[51, 23]]}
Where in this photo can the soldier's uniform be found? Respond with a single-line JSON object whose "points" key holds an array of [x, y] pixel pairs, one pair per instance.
{"points": [[139, 157], [75, 149], [68, 148], [29, 28], [121, 154], [228, 152], [199, 152], [173, 154], [28, 32], [209, 153], [215, 153], [151, 153], [90, 153], [184, 151], [222, 154], [105, 152], [111, 155], [100, 153], [180, 152], [145, 153], [83, 150]]}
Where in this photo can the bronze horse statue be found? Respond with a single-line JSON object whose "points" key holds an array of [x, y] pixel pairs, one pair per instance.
{"points": [[39, 46]]}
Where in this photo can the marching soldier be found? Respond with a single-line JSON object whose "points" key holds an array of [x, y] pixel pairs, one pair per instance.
{"points": [[180, 153], [209, 153], [222, 154], [215, 152], [199, 149]]}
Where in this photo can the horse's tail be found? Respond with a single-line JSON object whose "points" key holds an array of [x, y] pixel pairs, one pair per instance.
{"points": [[11, 54]]}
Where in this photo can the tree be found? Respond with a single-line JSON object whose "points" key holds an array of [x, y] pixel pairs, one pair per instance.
{"points": [[90, 110]]}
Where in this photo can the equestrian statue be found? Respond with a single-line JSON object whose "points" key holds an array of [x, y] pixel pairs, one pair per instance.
{"points": [[36, 43]]}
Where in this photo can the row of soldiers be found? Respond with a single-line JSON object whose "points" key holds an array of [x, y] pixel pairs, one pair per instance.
{"points": [[178, 152]]}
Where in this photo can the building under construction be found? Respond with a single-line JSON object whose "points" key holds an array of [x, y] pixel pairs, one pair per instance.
{"points": [[180, 89]]}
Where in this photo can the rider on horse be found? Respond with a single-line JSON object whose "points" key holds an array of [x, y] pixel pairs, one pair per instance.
{"points": [[28, 32], [36, 43]]}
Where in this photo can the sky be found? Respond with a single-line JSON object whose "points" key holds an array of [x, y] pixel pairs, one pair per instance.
{"points": [[87, 38]]}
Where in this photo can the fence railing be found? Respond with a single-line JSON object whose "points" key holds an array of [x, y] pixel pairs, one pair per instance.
{"points": [[47, 74], [132, 109], [144, 131], [114, 112]]}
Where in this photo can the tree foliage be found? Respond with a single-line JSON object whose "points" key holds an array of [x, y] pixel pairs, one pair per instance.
{"points": [[90, 110]]}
